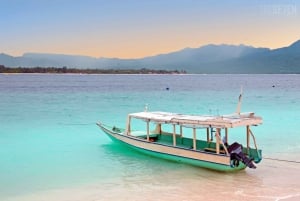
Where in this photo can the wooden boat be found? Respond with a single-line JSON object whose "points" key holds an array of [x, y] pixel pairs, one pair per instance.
{"points": [[192, 139]]}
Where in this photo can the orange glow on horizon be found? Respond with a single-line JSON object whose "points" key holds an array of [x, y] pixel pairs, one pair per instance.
{"points": [[140, 50]]}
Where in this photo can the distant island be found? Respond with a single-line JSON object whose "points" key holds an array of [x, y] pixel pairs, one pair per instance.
{"points": [[4, 69], [208, 59]]}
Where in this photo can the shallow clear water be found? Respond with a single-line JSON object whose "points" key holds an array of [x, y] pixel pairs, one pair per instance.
{"points": [[51, 148]]}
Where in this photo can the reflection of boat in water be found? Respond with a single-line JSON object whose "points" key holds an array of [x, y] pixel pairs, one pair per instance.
{"points": [[177, 137]]}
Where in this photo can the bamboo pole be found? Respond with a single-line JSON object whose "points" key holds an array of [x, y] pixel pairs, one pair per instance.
{"points": [[148, 131], [158, 128], [248, 138], [174, 135], [218, 141], [207, 134], [128, 131], [194, 139], [181, 131], [226, 135]]}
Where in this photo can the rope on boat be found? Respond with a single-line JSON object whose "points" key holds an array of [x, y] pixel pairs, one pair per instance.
{"points": [[282, 160]]}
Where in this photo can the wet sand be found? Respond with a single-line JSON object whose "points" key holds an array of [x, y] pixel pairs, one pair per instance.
{"points": [[272, 180]]}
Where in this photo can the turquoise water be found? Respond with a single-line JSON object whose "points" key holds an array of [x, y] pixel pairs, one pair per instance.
{"points": [[49, 139]]}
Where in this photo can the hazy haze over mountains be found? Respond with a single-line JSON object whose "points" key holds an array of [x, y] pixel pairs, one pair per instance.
{"points": [[205, 59]]}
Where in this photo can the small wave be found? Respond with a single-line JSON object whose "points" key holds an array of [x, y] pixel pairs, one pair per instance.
{"points": [[289, 196]]}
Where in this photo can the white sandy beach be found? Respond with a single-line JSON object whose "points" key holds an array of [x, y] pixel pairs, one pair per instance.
{"points": [[272, 180]]}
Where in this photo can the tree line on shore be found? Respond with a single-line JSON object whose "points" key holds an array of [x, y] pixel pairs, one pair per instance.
{"points": [[4, 69]]}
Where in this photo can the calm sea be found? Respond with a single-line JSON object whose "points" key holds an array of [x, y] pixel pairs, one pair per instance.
{"points": [[51, 148]]}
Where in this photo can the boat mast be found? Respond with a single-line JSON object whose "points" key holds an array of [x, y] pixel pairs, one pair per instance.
{"points": [[238, 108]]}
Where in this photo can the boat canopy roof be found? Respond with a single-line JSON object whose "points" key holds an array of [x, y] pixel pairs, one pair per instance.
{"points": [[223, 121]]}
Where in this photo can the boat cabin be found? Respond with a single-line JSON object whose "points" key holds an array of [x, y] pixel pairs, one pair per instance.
{"points": [[213, 126]]}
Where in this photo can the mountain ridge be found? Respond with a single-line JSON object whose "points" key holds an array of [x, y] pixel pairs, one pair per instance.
{"points": [[209, 58]]}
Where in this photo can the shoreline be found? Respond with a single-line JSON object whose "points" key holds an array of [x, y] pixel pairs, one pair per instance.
{"points": [[65, 70]]}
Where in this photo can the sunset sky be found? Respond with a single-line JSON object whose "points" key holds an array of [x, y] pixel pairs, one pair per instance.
{"points": [[139, 28]]}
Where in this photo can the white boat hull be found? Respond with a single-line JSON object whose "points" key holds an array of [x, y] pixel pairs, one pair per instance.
{"points": [[189, 156]]}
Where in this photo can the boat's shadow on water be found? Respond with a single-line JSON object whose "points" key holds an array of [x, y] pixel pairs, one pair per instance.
{"points": [[126, 155]]}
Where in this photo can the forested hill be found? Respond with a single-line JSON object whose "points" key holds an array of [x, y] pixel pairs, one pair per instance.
{"points": [[4, 69]]}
